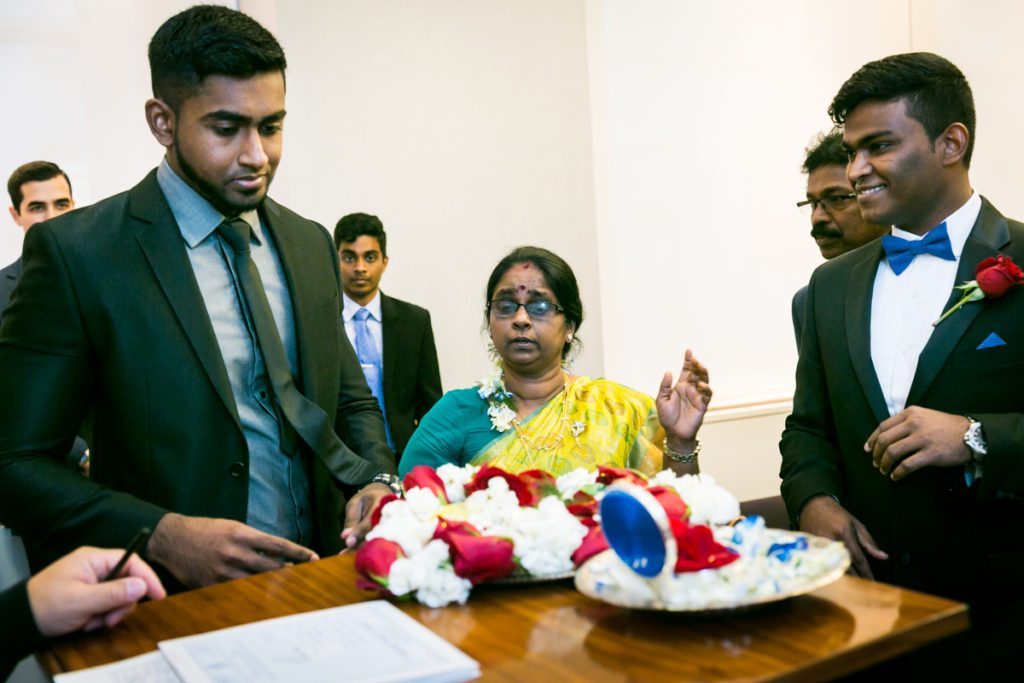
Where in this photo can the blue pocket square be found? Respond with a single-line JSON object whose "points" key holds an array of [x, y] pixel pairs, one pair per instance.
{"points": [[991, 341]]}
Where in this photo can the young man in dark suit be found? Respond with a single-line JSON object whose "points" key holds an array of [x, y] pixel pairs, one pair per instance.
{"points": [[906, 438], [188, 318], [396, 332]]}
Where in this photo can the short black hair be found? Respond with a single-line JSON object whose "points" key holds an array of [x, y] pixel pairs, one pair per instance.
{"points": [[353, 226], [936, 92], [208, 40], [826, 150], [33, 171], [558, 276]]}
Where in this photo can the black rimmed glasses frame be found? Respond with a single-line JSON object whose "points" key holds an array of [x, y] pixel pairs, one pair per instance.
{"points": [[832, 202], [537, 310]]}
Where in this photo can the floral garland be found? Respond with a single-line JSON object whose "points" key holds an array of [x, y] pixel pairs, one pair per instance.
{"points": [[458, 526], [499, 399]]}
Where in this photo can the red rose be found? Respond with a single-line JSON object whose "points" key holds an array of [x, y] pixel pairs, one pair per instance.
{"points": [[593, 543], [515, 484], [424, 477], [697, 548], [583, 506], [670, 501], [607, 475], [475, 557], [373, 564], [996, 275], [540, 484], [378, 510]]}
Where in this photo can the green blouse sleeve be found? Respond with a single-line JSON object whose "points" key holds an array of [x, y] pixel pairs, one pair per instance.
{"points": [[440, 436]]}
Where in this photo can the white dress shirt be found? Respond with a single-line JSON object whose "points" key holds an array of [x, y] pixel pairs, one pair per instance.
{"points": [[904, 306]]}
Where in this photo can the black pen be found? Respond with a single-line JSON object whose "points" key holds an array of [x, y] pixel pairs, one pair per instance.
{"points": [[133, 547]]}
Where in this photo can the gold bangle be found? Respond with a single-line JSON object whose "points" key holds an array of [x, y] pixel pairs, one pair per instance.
{"points": [[676, 456]]}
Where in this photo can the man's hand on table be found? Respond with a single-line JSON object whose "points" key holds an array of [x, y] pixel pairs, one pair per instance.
{"points": [[823, 516], [200, 551], [358, 512]]}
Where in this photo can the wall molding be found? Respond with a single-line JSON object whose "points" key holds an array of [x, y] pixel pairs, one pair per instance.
{"points": [[749, 409]]}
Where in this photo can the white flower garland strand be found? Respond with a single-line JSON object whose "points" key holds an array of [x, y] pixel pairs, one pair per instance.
{"points": [[499, 399]]}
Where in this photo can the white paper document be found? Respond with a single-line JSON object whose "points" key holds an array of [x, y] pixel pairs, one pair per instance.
{"points": [[367, 642], [151, 667]]}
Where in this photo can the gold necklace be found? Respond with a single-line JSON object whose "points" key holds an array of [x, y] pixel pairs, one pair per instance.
{"points": [[551, 442]]}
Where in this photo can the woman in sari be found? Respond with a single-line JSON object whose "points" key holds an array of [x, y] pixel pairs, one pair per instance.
{"points": [[531, 413]]}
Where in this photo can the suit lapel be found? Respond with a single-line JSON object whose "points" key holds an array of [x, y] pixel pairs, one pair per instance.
{"points": [[160, 239], [390, 322], [858, 326], [990, 233]]}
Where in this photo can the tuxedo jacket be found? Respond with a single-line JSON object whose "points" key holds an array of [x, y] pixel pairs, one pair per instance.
{"points": [[412, 379], [941, 536], [798, 305], [108, 322]]}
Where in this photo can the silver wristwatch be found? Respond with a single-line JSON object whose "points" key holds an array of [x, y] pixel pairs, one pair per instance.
{"points": [[389, 480], [974, 438]]}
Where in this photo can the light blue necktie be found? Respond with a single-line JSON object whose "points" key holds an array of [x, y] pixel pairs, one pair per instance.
{"points": [[369, 359]]}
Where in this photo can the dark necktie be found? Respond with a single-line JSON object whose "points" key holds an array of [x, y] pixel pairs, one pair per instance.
{"points": [[308, 420], [901, 252]]}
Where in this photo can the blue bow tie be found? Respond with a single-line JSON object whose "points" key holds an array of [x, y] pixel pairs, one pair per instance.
{"points": [[901, 252]]}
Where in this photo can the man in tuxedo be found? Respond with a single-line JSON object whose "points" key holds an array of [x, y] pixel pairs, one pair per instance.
{"points": [[39, 191], [189, 318], [391, 332], [836, 224], [905, 439]]}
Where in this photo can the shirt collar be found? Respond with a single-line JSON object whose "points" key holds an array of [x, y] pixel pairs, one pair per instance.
{"points": [[958, 225], [194, 214], [350, 307]]}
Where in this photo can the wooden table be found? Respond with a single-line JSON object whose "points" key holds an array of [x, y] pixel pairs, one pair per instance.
{"points": [[550, 632]]}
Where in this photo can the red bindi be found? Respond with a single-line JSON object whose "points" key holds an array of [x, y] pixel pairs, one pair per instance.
{"points": [[522, 288]]}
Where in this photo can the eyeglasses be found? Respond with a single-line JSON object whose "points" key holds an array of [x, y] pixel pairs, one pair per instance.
{"points": [[537, 310], [832, 202]]}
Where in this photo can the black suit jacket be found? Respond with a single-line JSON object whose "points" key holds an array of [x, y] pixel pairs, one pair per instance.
{"points": [[941, 536], [19, 635], [412, 379], [108, 321], [8, 278], [799, 303]]}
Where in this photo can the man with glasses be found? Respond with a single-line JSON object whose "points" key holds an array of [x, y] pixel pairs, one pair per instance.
{"points": [[836, 222]]}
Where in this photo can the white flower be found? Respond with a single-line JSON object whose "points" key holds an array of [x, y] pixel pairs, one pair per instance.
{"points": [[455, 479], [501, 416], [709, 503], [409, 522], [545, 537], [571, 482], [444, 587]]}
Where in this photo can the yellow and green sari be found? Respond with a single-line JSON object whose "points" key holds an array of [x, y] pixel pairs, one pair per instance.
{"points": [[593, 422]]}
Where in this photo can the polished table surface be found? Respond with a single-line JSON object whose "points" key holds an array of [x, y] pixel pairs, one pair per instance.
{"points": [[548, 631]]}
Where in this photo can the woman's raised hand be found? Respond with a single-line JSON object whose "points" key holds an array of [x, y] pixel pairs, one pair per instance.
{"points": [[681, 406]]}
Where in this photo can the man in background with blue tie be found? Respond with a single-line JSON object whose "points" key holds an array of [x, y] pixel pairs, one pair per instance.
{"points": [[906, 439], [393, 339]]}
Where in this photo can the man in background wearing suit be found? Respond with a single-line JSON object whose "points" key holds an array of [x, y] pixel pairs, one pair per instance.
{"points": [[906, 439], [39, 191], [190, 319], [392, 331], [836, 224]]}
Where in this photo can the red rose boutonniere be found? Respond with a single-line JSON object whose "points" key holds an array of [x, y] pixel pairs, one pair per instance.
{"points": [[993, 277]]}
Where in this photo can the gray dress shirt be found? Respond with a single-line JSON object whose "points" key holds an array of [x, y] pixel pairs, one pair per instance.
{"points": [[279, 489]]}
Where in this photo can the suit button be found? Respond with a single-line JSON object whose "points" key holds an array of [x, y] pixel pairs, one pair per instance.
{"points": [[905, 559], [237, 469]]}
